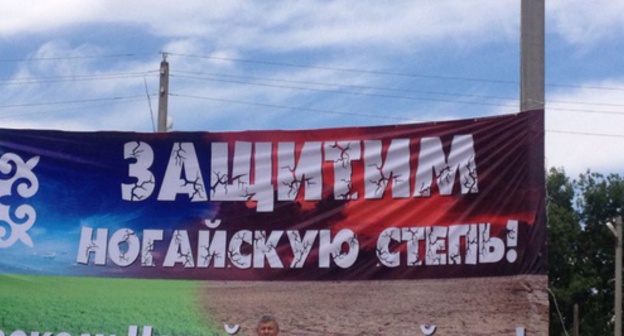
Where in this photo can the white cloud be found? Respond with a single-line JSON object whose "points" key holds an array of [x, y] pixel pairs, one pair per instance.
{"points": [[586, 22], [31, 16], [569, 139], [70, 92], [64, 59], [282, 25], [279, 25], [396, 24]]}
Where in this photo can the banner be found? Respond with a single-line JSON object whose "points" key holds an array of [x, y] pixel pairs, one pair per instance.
{"points": [[454, 201]]}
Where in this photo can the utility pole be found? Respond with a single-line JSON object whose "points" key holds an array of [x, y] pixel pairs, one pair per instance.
{"points": [[618, 277], [617, 232], [575, 330], [163, 94], [532, 16]]}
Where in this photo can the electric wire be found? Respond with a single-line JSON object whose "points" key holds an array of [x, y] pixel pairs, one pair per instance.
{"points": [[283, 107], [240, 80], [558, 311], [201, 76], [333, 85], [373, 72], [385, 73], [283, 64], [59, 58], [68, 109], [587, 133], [66, 102], [355, 93], [385, 117], [379, 95], [621, 113], [149, 104], [31, 80], [74, 78]]}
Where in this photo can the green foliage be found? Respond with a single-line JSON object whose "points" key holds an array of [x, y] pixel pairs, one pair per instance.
{"points": [[100, 305], [581, 249]]}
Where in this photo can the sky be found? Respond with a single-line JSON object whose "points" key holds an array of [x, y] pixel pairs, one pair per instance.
{"points": [[235, 65]]}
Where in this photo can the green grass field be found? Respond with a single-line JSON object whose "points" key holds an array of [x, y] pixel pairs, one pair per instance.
{"points": [[100, 305]]}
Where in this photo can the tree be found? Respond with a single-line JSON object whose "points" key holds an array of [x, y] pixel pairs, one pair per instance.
{"points": [[563, 233], [581, 248]]}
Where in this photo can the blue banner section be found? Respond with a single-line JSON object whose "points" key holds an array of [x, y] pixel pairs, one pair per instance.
{"points": [[454, 199]]}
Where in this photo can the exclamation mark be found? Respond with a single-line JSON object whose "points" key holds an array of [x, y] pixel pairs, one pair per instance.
{"points": [[512, 240]]}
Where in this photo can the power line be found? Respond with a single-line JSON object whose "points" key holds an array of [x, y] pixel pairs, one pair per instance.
{"points": [[71, 101], [149, 104], [66, 109], [36, 59], [558, 311], [621, 113], [583, 103], [353, 70], [354, 93], [36, 80], [283, 107], [606, 88], [395, 96], [373, 72], [241, 80], [367, 87], [587, 133], [388, 73], [74, 78]]}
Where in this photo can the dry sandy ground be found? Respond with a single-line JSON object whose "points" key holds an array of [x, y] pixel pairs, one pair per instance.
{"points": [[470, 306]]}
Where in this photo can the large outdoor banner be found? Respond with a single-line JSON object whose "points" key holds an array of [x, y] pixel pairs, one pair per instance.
{"points": [[414, 229]]}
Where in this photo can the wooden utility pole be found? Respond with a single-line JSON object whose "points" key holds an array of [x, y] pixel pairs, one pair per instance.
{"points": [[532, 16], [617, 233], [618, 277], [163, 94], [575, 331]]}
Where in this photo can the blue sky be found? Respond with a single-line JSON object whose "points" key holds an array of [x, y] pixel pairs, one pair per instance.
{"points": [[243, 65]]}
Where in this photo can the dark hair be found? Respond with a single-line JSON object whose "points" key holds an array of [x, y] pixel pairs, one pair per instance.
{"points": [[267, 319]]}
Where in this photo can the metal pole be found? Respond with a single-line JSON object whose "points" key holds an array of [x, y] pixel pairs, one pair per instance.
{"points": [[618, 277], [575, 332], [532, 17], [163, 94]]}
